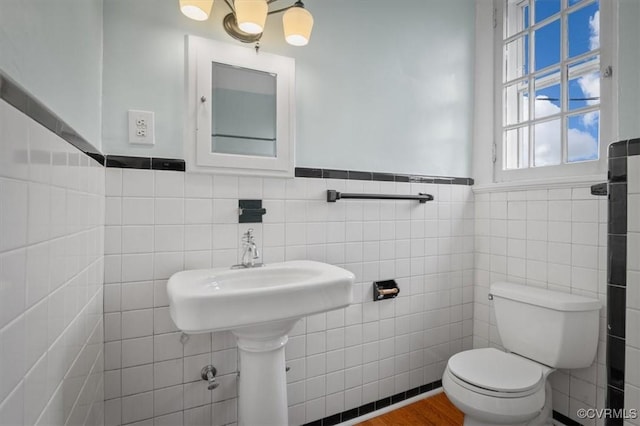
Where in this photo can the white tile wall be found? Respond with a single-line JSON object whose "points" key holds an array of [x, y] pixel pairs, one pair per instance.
{"points": [[553, 239], [51, 269], [158, 223], [632, 356]]}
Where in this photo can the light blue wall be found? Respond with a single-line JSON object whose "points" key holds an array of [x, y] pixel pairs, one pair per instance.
{"points": [[53, 48], [628, 66], [382, 86]]}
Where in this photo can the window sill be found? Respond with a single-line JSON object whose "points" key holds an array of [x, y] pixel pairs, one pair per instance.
{"points": [[547, 183]]}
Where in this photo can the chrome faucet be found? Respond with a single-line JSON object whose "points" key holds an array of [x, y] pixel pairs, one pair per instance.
{"points": [[250, 252]]}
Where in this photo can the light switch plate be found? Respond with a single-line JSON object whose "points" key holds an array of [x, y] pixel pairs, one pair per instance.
{"points": [[141, 127]]}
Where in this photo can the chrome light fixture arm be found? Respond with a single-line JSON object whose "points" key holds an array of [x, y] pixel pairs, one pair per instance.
{"points": [[284, 9], [230, 21], [230, 5], [247, 19]]}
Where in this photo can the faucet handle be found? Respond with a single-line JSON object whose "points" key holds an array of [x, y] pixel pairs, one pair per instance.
{"points": [[248, 236], [208, 373]]}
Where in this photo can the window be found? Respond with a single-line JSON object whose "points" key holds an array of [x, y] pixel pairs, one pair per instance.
{"points": [[550, 89]]}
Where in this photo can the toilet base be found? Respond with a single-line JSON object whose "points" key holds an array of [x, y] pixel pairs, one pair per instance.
{"points": [[543, 419]]}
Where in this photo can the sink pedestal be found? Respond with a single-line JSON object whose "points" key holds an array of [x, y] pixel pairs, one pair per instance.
{"points": [[259, 306], [262, 387]]}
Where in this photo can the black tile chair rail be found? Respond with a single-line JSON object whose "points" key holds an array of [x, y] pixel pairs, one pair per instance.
{"points": [[307, 172], [23, 101]]}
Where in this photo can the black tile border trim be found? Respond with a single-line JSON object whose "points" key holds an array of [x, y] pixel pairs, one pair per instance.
{"points": [[626, 148], [168, 164], [567, 421], [12, 93], [152, 163], [307, 172], [376, 405], [145, 163], [617, 271], [335, 419], [615, 401]]}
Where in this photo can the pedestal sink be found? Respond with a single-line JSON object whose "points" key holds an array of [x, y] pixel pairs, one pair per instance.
{"points": [[260, 306]]}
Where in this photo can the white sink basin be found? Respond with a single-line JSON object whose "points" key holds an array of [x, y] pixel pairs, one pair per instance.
{"points": [[260, 306], [205, 300]]}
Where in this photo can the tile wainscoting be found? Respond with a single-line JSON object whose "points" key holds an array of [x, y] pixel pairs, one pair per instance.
{"points": [[160, 222], [550, 238], [51, 270]]}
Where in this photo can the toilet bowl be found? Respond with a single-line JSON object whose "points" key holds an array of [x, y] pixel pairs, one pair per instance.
{"points": [[540, 330], [497, 388]]}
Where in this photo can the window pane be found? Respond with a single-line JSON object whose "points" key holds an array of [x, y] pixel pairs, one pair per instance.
{"points": [[547, 143], [583, 135], [547, 100], [547, 45], [584, 91], [551, 82], [516, 148], [546, 8], [584, 30], [516, 103], [517, 58], [517, 17]]}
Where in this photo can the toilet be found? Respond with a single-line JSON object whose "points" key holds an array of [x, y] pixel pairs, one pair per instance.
{"points": [[541, 331]]}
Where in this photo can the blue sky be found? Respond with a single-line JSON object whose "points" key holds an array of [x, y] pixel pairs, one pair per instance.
{"points": [[583, 35]]}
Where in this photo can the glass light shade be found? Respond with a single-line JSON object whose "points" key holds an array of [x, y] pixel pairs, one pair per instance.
{"points": [[297, 23], [251, 15], [198, 10]]}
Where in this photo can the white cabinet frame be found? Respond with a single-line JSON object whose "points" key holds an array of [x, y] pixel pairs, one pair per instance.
{"points": [[200, 158]]}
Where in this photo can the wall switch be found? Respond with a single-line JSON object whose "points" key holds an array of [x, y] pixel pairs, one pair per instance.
{"points": [[141, 127]]}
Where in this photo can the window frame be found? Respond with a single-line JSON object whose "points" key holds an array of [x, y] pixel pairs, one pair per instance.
{"points": [[606, 108]]}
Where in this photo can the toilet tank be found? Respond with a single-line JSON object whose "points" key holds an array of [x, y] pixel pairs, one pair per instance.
{"points": [[556, 329]]}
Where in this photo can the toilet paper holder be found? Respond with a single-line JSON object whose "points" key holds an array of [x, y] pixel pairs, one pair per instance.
{"points": [[387, 289]]}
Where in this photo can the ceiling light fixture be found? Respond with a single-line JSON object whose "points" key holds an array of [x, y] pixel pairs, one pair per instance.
{"points": [[247, 19], [198, 10]]}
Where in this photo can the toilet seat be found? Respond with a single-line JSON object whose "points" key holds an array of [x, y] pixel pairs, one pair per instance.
{"points": [[495, 373], [493, 387]]}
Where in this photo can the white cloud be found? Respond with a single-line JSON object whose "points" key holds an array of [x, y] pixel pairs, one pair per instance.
{"points": [[548, 143], [582, 145], [590, 86], [547, 138], [545, 107], [594, 30]]}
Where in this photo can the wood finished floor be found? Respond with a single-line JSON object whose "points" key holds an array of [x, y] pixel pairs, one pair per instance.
{"points": [[436, 410]]}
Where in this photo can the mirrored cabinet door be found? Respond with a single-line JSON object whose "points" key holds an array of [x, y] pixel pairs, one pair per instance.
{"points": [[243, 114], [241, 107]]}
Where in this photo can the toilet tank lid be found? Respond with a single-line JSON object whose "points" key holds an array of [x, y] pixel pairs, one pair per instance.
{"points": [[545, 298]]}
